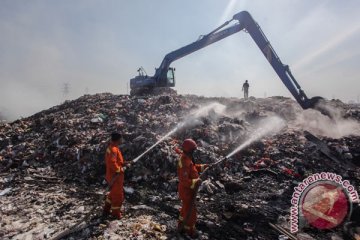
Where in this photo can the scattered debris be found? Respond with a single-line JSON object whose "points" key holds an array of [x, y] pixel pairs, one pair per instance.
{"points": [[5, 191], [283, 231], [51, 167]]}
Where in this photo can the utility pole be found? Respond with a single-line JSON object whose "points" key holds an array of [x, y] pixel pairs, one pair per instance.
{"points": [[86, 90]]}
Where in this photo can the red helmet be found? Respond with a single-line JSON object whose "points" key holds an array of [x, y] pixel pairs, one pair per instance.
{"points": [[189, 145]]}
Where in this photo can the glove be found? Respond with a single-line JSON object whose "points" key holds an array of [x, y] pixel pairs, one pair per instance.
{"points": [[195, 183], [198, 182], [204, 166]]}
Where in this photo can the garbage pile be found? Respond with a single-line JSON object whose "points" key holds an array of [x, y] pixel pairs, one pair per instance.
{"points": [[52, 167]]}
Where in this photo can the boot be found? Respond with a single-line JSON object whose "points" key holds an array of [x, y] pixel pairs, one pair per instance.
{"points": [[181, 228], [116, 213], [193, 233], [106, 209]]}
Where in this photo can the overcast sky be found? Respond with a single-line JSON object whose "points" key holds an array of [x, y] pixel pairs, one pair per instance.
{"points": [[97, 46]]}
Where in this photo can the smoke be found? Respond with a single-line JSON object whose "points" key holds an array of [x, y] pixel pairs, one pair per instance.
{"points": [[268, 126], [214, 107], [212, 110], [317, 123]]}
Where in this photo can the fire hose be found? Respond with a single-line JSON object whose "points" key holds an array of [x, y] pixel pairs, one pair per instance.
{"points": [[76, 228]]}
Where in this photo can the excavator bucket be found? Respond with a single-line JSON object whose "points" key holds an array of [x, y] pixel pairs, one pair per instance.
{"points": [[319, 103]]}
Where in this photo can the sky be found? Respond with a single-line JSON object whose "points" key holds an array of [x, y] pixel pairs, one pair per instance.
{"points": [[96, 46]]}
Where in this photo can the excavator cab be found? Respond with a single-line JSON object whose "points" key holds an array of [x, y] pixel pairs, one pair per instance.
{"points": [[145, 85], [170, 77]]}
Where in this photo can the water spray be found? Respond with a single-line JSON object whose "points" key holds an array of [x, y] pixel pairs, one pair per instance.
{"points": [[265, 127], [190, 121], [268, 126], [157, 143]]}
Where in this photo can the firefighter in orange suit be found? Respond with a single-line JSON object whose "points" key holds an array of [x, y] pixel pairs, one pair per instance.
{"points": [[114, 162], [188, 173]]}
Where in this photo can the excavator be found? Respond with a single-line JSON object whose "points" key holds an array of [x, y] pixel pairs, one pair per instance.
{"points": [[164, 76]]}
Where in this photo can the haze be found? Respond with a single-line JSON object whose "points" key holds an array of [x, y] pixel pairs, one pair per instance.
{"points": [[97, 46]]}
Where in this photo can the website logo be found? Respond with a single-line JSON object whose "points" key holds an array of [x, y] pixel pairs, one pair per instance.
{"points": [[322, 200]]}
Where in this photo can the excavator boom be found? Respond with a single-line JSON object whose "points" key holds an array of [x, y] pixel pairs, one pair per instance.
{"points": [[243, 21]]}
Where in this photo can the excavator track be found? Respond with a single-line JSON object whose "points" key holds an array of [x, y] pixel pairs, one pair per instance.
{"points": [[153, 91]]}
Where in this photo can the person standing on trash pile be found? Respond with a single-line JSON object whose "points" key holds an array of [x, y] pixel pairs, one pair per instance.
{"points": [[188, 173], [114, 162], [245, 88]]}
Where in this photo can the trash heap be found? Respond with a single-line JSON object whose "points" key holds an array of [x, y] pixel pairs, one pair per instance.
{"points": [[52, 167]]}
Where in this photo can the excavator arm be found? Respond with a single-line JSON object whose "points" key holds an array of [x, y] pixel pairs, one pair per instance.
{"points": [[203, 41], [243, 21], [283, 71]]}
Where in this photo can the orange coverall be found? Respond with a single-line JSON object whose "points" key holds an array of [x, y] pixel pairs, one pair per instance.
{"points": [[114, 164], [188, 174]]}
